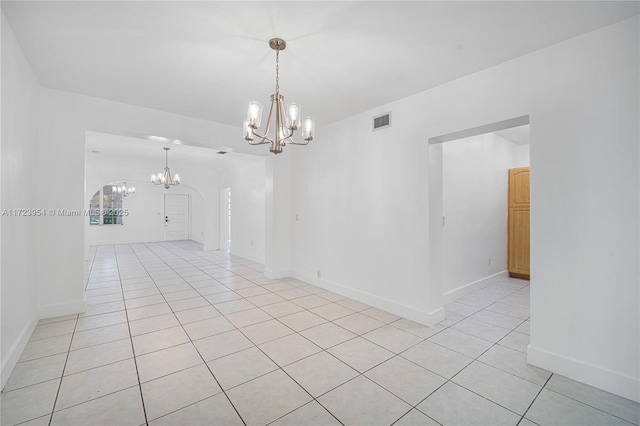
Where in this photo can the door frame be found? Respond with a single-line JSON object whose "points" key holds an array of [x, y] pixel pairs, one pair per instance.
{"points": [[435, 195], [225, 220]]}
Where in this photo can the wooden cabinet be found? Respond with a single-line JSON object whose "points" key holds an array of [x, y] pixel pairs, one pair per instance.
{"points": [[518, 223]]}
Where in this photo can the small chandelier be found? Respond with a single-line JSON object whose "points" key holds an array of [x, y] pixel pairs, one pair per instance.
{"points": [[285, 124], [123, 189], [165, 178]]}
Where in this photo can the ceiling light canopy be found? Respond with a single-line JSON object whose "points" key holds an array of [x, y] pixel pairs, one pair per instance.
{"points": [[286, 121], [165, 178]]}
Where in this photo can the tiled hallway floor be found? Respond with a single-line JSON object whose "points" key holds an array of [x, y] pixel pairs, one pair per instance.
{"points": [[174, 335]]}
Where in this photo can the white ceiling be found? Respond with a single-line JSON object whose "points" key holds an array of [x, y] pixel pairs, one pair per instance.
{"points": [[207, 59], [111, 149]]}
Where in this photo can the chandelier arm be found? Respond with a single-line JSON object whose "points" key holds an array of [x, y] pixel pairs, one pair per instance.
{"points": [[292, 142], [264, 139], [287, 130], [266, 130], [282, 122]]}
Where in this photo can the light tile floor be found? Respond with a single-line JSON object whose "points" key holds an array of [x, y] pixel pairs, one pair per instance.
{"points": [[174, 335]]}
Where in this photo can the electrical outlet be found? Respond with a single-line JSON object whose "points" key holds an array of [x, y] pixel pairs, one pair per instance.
{"points": [[319, 274]]}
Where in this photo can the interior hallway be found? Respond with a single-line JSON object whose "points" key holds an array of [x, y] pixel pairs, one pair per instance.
{"points": [[176, 335]]}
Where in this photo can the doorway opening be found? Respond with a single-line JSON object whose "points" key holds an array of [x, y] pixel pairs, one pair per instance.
{"points": [[225, 219], [468, 184]]}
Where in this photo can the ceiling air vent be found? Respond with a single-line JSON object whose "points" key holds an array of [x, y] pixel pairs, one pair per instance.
{"points": [[382, 121]]}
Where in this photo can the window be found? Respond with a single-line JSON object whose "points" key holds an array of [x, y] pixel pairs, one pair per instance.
{"points": [[105, 207]]}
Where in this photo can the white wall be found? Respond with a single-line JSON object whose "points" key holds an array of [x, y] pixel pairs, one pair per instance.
{"points": [[248, 209], [145, 221], [278, 215], [20, 109], [363, 200], [362, 207], [64, 120], [524, 158], [475, 189]]}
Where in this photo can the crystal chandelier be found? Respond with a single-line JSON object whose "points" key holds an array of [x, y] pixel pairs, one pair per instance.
{"points": [[123, 189], [164, 178], [285, 124]]}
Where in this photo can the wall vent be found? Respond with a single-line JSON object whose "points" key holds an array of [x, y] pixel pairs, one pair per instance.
{"points": [[382, 121]]}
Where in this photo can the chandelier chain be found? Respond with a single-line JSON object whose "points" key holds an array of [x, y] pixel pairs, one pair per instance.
{"points": [[277, 72]]}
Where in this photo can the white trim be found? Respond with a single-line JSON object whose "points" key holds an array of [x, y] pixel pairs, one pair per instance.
{"points": [[250, 257], [9, 362], [455, 294], [408, 312], [61, 309], [607, 380], [480, 130], [273, 275]]}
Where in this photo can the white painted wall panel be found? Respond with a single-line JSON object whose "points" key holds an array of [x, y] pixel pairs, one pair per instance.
{"points": [[363, 199], [20, 109], [248, 209]]}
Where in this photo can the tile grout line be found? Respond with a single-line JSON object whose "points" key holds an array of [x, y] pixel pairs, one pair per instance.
{"points": [[133, 349], [534, 399], [327, 321], [281, 368], [196, 349], [449, 326], [322, 349], [55, 401], [467, 365]]}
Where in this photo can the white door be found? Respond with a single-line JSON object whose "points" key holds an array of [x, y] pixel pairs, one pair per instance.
{"points": [[176, 216], [225, 219]]}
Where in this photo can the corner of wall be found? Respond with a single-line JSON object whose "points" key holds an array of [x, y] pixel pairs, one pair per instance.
{"points": [[273, 275], [13, 355], [61, 309], [422, 317], [592, 375], [455, 294]]}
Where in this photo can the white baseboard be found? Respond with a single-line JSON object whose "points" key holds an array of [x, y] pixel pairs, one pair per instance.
{"points": [[455, 294], [209, 246], [408, 312], [273, 275], [45, 311], [607, 380], [9, 362], [248, 256], [61, 309]]}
